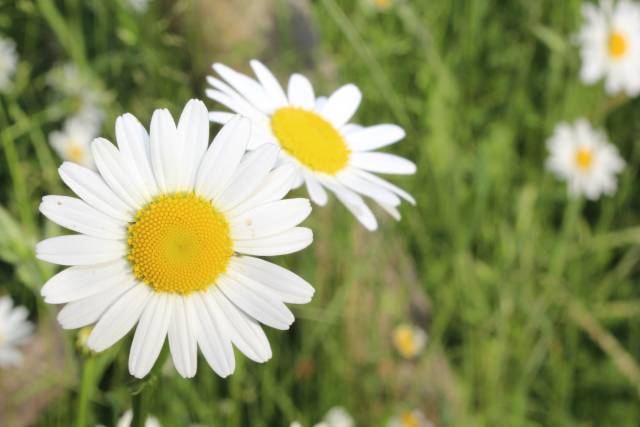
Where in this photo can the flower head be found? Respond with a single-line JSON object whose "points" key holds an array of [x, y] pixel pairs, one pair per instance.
{"points": [[15, 330], [315, 135], [409, 340], [610, 45], [413, 418], [585, 159], [73, 142], [168, 230], [8, 62]]}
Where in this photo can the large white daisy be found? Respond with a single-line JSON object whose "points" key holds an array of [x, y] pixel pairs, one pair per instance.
{"points": [[315, 134], [610, 45], [8, 62], [584, 158], [168, 230], [15, 330]]}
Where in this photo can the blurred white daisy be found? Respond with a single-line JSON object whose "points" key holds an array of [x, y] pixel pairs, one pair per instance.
{"points": [[15, 330], [139, 6], [413, 418], [127, 417], [409, 340], [73, 142], [338, 417], [315, 135], [69, 81], [584, 158], [8, 62], [610, 45], [167, 229]]}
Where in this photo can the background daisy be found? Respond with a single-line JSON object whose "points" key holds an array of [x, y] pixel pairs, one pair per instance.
{"points": [[316, 136], [8, 62], [409, 340], [585, 159], [610, 45], [73, 142], [15, 330], [168, 230]]}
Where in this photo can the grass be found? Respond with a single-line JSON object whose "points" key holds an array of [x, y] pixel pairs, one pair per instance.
{"points": [[530, 299]]}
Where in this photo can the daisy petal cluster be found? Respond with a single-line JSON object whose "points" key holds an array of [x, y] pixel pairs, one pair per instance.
{"points": [[409, 340], [415, 418], [169, 229], [316, 135], [73, 142], [610, 45], [8, 62], [15, 330], [584, 158]]}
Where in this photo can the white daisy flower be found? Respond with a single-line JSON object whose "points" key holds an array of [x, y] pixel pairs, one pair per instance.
{"points": [[610, 45], [73, 142], [409, 340], [8, 62], [168, 230], [315, 135], [585, 159], [127, 417], [139, 6], [15, 330], [338, 417], [413, 418]]}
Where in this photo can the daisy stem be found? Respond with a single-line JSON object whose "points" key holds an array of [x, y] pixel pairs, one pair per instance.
{"points": [[86, 390], [141, 396]]}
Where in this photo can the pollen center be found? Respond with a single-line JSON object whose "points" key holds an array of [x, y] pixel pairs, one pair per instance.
{"points": [[309, 138], [617, 45], [584, 158], [179, 243], [75, 153], [406, 345], [409, 420]]}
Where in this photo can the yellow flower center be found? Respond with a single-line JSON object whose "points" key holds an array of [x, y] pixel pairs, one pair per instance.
{"points": [[179, 243], [75, 153], [584, 158], [405, 342], [309, 138], [382, 4], [409, 420], [618, 45]]}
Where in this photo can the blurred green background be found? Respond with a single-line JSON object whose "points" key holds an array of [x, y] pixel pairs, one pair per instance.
{"points": [[530, 299]]}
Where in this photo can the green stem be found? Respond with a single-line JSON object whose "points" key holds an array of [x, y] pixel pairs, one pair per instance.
{"points": [[86, 390], [141, 395]]}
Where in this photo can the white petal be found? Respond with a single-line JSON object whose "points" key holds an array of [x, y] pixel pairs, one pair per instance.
{"points": [[79, 249], [301, 92], [373, 137], [382, 163], [120, 318], [86, 311], [193, 135], [221, 117], [247, 87], [212, 337], [251, 172], [274, 187], [366, 188], [150, 334], [223, 157], [80, 282], [381, 182], [110, 164], [353, 202], [256, 300], [244, 332], [317, 194], [90, 187], [78, 216], [342, 105], [234, 101], [133, 142], [269, 219], [290, 241], [182, 337], [290, 287], [269, 83], [166, 153]]}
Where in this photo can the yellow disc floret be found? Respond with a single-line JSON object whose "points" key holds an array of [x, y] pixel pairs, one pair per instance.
{"points": [[309, 138], [179, 243], [618, 45], [584, 158]]}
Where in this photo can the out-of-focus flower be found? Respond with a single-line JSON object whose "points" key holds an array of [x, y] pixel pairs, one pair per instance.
{"points": [[8, 62], [382, 4], [610, 45], [139, 6], [409, 340], [585, 159], [166, 230], [413, 418], [338, 417], [316, 136], [73, 142], [15, 330], [127, 417], [69, 81]]}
